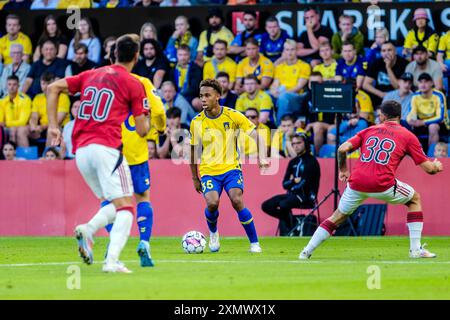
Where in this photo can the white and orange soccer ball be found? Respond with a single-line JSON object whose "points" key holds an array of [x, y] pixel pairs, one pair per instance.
{"points": [[193, 242]]}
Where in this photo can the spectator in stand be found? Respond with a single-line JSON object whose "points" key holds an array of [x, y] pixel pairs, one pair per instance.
{"points": [[107, 44], [423, 64], [255, 98], [175, 3], [381, 36], [85, 34], [51, 153], [349, 127], [80, 62], [175, 133], [328, 67], [441, 150], [68, 129], [272, 41], [148, 31], [351, 68], [14, 36], [255, 63], [220, 63], [282, 138], [443, 56], [318, 123], [172, 99], [153, 64], [290, 80], [18, 68], [16, 109], [247, 145], [402, 95], [384, 73], [301, 181], [187, 77], [39, 120], [308, 44], [82, 4], [250, 22], [152, 150], [9, 151], [181, 35], [227, 98], [111, 4], [147, 3], [347, 33], [49, 62], [421, 35], [216, 30], [51, 32], [364, 106], [44, 4], [17, 5], [428, 114]]}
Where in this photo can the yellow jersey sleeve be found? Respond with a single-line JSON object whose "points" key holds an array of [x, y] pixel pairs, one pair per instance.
{"points": [[267, 69], [26, 43], [444, 45], [23, 113], [202, 43], [240, 68], [2, 112], [64, 107], [208, 71], [409, 40], [266, 102], [240, 105], [412, 115], [243, 123]]}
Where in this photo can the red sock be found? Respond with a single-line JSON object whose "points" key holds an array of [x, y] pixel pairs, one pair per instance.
{"points": [[414, 217], [329, 226]]}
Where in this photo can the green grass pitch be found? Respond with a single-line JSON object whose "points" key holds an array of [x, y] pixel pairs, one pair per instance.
{"points": [[37, 268]]}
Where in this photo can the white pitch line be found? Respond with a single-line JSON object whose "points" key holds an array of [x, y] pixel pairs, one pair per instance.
{"points": [[237, 262]]}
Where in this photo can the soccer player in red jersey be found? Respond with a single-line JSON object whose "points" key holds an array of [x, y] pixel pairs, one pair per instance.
{"points": [[382, 149], [108, 95]]}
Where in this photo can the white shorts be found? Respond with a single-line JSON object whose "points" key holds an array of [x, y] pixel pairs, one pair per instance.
{"points": [[401, 193], [105, 170]]}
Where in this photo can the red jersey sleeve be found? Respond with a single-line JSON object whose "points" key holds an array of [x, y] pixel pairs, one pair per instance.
{"points": [[415, 150], [139, 103], [356, 140], [74, 84]]}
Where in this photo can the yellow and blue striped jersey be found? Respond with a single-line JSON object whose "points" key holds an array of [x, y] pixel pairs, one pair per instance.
{"points": [[218, 140], [135, 148], [430, 110]]}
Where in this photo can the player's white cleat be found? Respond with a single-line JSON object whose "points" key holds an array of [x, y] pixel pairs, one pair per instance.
{"points": [[116, 268], [421, 253], [255, 247], [214, 244], [304, 255], [85, 242]]}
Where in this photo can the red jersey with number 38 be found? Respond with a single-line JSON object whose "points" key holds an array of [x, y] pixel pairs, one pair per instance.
{"points": [[382, 149], [108, 95]]}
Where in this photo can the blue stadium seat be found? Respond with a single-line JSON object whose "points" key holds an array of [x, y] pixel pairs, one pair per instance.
{"points": [[371, 219], [327, 151], [430, 152], [29, 153]]}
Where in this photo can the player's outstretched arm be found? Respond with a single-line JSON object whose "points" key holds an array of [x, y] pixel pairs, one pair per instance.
{"points": [[432, 167], [53, 92], [342, 160]]}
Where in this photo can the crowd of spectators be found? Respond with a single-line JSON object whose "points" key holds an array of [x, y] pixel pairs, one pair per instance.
{"points": [[265, 74]]}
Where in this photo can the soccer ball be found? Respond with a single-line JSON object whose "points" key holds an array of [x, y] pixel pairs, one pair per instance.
{"points": [[193, 242]]}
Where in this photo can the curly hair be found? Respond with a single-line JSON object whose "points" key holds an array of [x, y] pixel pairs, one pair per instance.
{"points": [[212, 83]]}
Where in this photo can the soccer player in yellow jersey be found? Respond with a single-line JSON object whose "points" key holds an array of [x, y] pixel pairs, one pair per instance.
{"points": [[220, 63], [135, 150], [428, 114], [214, 135]]}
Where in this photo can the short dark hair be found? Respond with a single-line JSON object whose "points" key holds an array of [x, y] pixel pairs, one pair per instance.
{"points": [[220, 41], [250, 12], [309, 8], [52, 149], [212, 83], [81, 46], [173, 113], [348, 43], [316, 74], [13, 17], [126, 47], [288, 117], [251, 40], [13, 77], [222, 74], [251, 76], [252, 109], [272, 19], [388, 42], [47, 76], [12, 143], [184, 47], [49, 41], [391, 109]]}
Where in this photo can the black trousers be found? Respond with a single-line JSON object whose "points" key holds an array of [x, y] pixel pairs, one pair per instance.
{"points": [[280, 207]]}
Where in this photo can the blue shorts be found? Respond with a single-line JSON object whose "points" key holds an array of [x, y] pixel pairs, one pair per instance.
{"points": [[227, 181], [140, 174]]}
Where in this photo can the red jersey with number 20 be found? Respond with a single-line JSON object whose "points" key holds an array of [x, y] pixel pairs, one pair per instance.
{"points": [[108, 95], [382, 149]]}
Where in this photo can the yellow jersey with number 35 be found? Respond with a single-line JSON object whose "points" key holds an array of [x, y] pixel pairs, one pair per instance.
{"points": [[218, 140], [135, 148]]}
